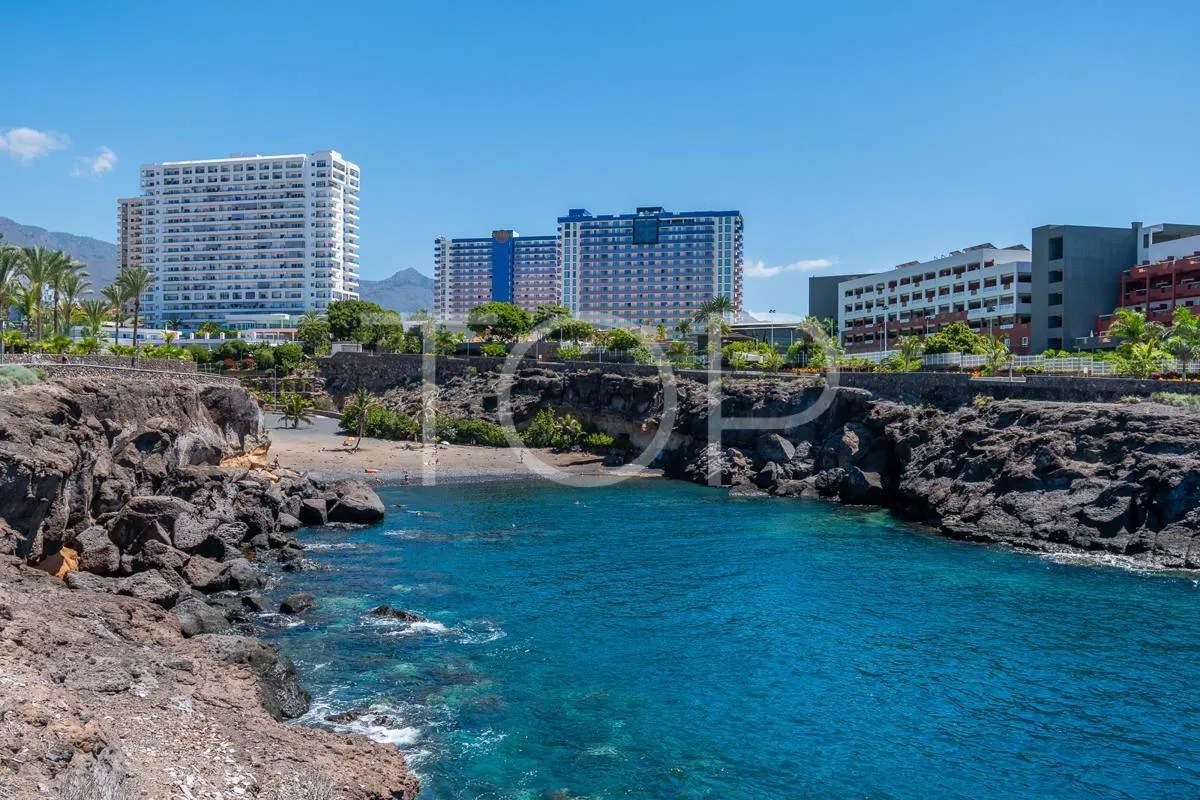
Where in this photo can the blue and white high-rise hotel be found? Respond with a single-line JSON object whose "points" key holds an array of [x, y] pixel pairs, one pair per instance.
{"points": [[653, 266]]}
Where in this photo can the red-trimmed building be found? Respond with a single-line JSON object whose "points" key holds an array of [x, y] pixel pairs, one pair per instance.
{"points": [[1167, 276]]}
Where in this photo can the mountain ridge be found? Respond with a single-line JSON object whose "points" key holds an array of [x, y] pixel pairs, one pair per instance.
{"points": [[404, 290], [99, 256]]}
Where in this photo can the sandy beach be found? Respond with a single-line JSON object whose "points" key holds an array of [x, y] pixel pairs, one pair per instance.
{"points": [[320, 451]]}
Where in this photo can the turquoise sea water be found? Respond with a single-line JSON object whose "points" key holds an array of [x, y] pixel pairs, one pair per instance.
{"points": [[660, 640]]}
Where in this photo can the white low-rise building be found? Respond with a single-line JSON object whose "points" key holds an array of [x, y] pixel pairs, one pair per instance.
{"points": [[987, 287]]}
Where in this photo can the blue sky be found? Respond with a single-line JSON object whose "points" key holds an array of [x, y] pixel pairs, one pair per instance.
{"points": [[858, 134]]}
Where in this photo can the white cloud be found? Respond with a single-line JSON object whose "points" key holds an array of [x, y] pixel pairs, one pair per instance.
{"points": [[26, 144], [95, 166], [759, 269]]}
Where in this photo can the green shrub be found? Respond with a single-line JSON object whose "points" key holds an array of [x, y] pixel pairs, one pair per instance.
{"points": [[597, 441], [493, 350], [14, 375], [471, 431], [1190, 401], [570, 352], [549, 430], [382, 423]]}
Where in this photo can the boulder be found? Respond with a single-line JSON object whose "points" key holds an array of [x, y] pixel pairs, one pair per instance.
{"points": [[768, 475], [86, 581], [239, 574], [283, 696], [297, 603], [773, 447], [156, 555], [97, 553], [861, 488], [195, 534], [196, 617], [255, 602], [356, 502], [146, 518], [288, 522], [395, 613], [151, 586], [313, 511], [204, 574]]}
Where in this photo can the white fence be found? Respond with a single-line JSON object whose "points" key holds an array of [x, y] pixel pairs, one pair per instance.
{"points": [[1073, 365]]}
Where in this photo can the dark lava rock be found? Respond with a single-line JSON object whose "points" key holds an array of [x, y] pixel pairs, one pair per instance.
{"points": [[297, 603], [205, 574], [313, 511], [255, 602], [151, 586], [356, 502], [196, 617], [283, 696], [97, 553], [240, 574], [773, 447], [395, 613]]}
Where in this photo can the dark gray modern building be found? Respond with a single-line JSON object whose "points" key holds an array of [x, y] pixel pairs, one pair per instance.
{"points": [[1076, 276], [823, 299]]}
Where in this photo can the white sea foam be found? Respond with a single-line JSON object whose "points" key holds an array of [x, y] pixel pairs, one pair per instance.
{"points": [[275, 619], [367, 723], [331, 546], [416, 628], [1111, 560]]}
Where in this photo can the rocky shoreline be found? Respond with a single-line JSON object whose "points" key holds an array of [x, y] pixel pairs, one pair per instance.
{"points": [[141, 499], [1090, 479]]}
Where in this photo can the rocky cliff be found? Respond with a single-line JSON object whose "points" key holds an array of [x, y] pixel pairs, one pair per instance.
{"points": [[1111, 478], [142, 497]]}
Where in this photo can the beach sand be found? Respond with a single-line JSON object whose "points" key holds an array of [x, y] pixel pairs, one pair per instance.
{"points": [[320, 451]]}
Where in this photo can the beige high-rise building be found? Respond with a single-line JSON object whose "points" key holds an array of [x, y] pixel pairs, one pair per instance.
{"points": [[129, 231]]}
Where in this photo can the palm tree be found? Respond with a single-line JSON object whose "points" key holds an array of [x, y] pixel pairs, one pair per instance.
{"points": [[40, 266], [358, 407], [27, 303], [1141, 359], [684, 328], [295, 408], [1183, 349], [711, 315], [908, 354], [95, 311], [63, 267], [114, 295], [10, 269], [996, 355], [1132, 326], [73, 284], [135, 281]]}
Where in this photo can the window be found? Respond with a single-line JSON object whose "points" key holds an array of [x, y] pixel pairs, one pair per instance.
{"points": [[1054, 299], [1056, 248]]}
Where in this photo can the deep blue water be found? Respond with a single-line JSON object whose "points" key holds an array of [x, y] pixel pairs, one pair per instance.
{"points": [[660, 640]]}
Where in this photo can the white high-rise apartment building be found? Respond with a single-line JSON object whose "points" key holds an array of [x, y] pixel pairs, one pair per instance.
{"points": [[129, 232], [249, 241]]}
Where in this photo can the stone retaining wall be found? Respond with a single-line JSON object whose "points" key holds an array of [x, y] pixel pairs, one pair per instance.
{"points": [[156, 364], [99, 371], [345, 372]]}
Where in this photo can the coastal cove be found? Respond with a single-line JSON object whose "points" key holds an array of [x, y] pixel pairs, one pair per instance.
{"points": [[660, 639]]}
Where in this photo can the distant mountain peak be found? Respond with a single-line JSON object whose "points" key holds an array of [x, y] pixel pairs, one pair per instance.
{"points": [[404, 290], [99, 256]]}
